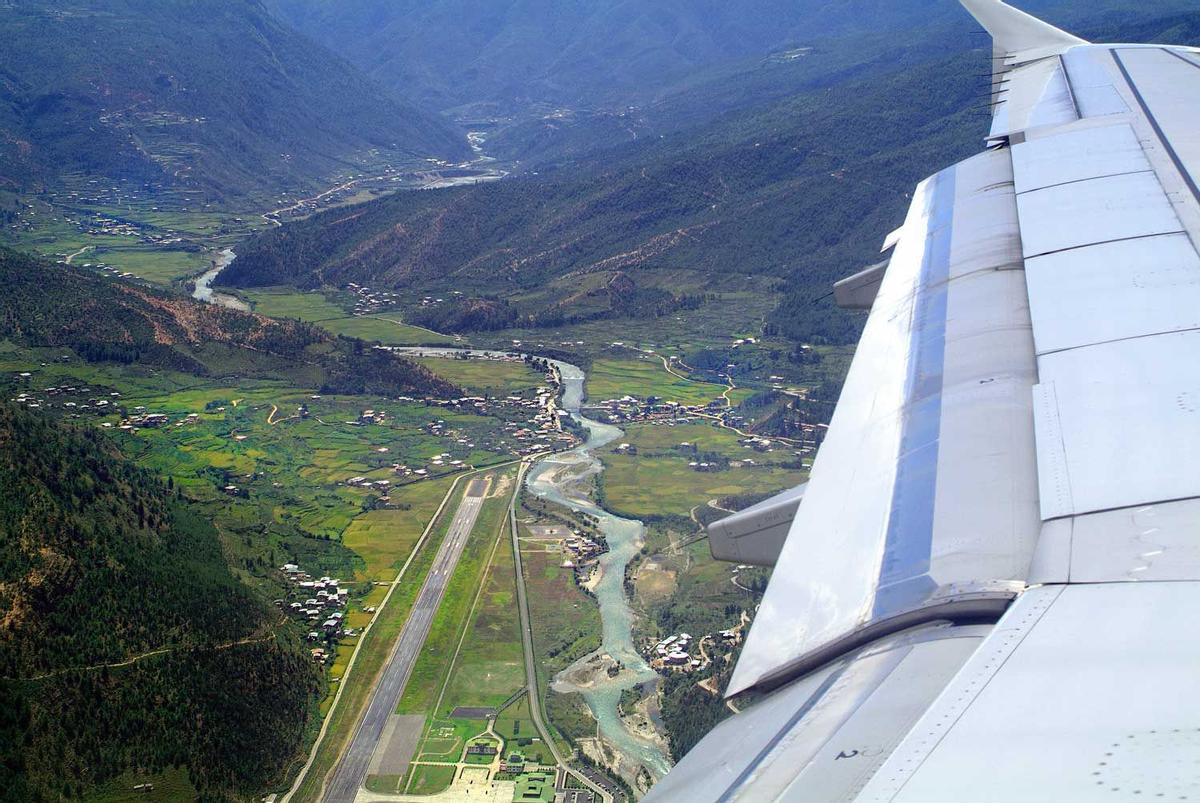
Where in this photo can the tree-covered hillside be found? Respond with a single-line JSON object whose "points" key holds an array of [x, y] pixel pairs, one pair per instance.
{"points": [[501, 55], [208, 95], [125, 641], [802, 187], [105, 320]]}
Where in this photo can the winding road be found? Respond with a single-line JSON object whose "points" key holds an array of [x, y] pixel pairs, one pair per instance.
{"points": [[80, 252]]}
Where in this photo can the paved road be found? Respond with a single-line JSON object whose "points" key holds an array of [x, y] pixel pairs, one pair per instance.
{"points": [[351, 771], [535, 702]]}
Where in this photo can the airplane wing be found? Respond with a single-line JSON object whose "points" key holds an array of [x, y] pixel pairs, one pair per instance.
{"points": [[987, 587]]}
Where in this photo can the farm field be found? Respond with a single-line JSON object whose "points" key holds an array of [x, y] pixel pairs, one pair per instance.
{"points": [[643, 377], [659, 480], [187, 237], [288, 303], [383, 538], [158, 266], [493, 377], [300, 466], [385, 330], [318, 307]]}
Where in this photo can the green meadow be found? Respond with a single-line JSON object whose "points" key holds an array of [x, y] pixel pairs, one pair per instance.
{"points": [[659, 480], [318, 307], [492, 377], [490, 665], [644, 377]]}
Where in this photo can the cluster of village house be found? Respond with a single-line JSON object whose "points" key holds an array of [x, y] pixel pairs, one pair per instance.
{"points": [[758, 444], [630, 409], [673, 654], [540, 432], [324, 602], [532, 433], [438, 464], [536, 427], [582, 553], [139, 418], [367, 301], [95, 405], [532, 423], [99, 225]]}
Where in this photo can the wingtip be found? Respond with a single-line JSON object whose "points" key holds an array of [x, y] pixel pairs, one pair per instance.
{"points": [[1015, 31]]}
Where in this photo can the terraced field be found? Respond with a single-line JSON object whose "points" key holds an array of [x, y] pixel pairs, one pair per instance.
{"points": [[271, 467], [383, 538]]}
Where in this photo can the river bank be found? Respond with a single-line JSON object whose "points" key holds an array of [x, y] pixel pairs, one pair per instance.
{"points": [[567, 479], [480, 170], [564, 479], [202, 290]]}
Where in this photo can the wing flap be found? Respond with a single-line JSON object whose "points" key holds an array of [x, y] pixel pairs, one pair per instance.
{"points": [[912, 504], [756, 535], [824, 736], [1079, 693], [1051, 285]]}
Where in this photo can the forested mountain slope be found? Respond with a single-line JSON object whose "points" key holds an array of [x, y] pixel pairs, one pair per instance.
{"points": [[802, 188], [210, 95], [513, 53], [101, 563], [105, 320]]}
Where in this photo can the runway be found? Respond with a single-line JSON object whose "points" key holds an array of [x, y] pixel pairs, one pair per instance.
{"points": [[351, 771]]}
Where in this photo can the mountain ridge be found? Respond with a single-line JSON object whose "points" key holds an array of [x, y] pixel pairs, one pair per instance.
{"points": [[800, 188], [103, 320], [499, 54], [209, 96]]}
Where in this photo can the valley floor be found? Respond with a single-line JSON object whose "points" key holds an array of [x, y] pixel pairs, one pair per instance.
{"points": [[362, 490]]}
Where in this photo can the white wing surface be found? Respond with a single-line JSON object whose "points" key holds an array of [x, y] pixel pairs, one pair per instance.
{"points": [[923, 498], [987, 587]]}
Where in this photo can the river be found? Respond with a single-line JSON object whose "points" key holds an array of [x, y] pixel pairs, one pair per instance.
{"points": [[203, 290], [563, 479], [557, 478], [482, 167]]}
